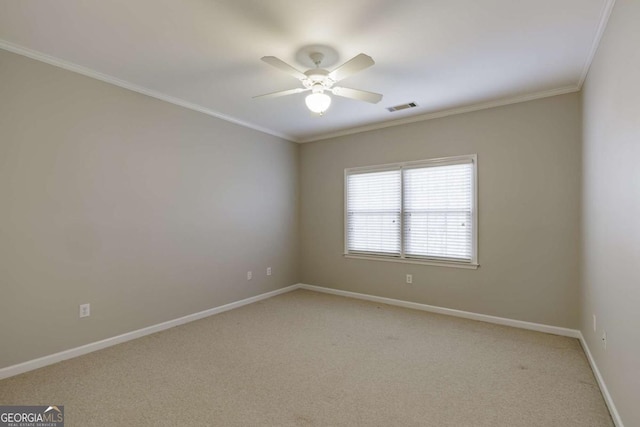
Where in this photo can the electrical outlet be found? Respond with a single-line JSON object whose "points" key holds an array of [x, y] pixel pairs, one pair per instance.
{"points": [[85, 310], [268, 271], [594, 323], [604, 340], [409, 278], [249, 275]]}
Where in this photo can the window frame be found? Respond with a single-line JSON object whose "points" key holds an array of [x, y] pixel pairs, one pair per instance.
{"points": [[442, 161]]}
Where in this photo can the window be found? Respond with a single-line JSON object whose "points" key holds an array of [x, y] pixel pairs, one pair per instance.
{"points": [[422, 212]]}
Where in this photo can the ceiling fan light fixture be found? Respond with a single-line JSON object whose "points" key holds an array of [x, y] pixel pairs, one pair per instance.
{"points": [[318, 102], [318, 81]]}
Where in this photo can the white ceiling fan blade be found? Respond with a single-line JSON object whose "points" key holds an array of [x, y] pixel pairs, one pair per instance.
{"points": [[360, 95], [283, 66], [282, 93], [352, 66]]}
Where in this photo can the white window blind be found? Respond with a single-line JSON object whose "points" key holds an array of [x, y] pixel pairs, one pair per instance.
{"points": [[438, 203], [419, 211], [373, 212]]}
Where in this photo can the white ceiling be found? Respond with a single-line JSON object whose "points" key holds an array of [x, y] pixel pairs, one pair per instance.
{"points": [[446, 55]]}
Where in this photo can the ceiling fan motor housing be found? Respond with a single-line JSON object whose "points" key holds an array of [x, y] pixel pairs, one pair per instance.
{"points": [[317, 76]]}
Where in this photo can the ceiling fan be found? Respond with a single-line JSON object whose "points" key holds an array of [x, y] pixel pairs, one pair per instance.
{"points": [[318, 80]]}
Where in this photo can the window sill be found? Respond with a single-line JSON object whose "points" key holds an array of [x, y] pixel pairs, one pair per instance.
{"points": [[467, 266]]}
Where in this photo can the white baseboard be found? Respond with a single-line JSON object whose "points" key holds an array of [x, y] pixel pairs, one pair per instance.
{"points": [[98, 345], [30, 365], [555, 330], [603, 387], [573, 333]]}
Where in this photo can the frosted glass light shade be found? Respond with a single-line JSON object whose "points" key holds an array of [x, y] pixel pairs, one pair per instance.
{"points": [[318, 102]]}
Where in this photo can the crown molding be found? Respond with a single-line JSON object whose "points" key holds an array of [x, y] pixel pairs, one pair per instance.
{"points": [[607, 8], [70, 66], [445, 113], [39, 56]]}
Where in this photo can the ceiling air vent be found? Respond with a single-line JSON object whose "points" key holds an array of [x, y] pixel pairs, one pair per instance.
{"points": [[402, 107]]}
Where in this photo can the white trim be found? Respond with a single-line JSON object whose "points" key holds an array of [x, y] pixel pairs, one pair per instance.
{"points": [[345, 217], [30, 365], [402, 210], [51, 60], [471, 159], [439, 161], [70, 66], [444, 113], [474, 214], [607, 8], [99, 345], [603, 387], [468, 266], [555, 330]]}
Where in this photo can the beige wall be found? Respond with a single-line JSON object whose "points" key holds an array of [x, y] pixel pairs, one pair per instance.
{"points": [[611, 208], [146, 210], [529, 190]]}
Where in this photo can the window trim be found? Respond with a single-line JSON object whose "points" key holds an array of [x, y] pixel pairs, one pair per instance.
{"points": [[441, 161]]}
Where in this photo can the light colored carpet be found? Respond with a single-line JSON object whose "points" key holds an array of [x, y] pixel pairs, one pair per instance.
{"points": [[311, 359]]}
